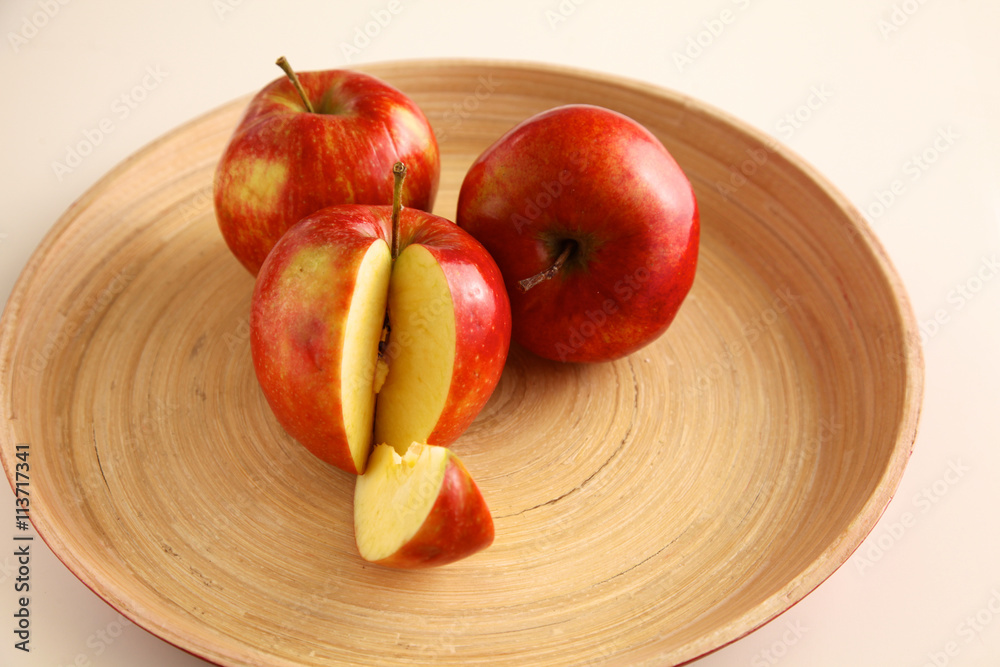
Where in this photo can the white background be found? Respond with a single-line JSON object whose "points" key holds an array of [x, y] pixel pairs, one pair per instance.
{"points": [[889, 82]]}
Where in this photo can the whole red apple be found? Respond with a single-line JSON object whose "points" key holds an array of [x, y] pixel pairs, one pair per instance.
{"points": [[339, 317], [335, 142], [594, 226]]}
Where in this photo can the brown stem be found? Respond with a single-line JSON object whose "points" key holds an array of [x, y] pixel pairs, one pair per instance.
{"points": [[283, 64], [549, 273], [398, 174]]}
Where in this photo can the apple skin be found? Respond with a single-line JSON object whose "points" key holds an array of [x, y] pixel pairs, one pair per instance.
{"points": [[596, 178], [297, 327], [283, 163], [458, 525]]}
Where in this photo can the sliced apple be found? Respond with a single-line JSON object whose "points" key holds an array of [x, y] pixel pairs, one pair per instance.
{"points": [[421, 509], [330, 373]]}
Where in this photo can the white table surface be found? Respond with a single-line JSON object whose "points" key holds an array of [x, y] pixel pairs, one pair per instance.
{"points": [[878, 95]]}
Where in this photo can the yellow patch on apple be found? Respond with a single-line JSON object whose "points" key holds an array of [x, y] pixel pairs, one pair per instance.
{"points": [[261, 185], [416, 128]]}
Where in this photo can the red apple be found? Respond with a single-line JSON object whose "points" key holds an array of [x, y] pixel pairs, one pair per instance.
{"points": [[594, 227], [421, 509], [338, 319], [334, 143]]}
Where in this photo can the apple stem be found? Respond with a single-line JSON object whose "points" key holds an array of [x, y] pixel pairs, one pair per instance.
{"points": [[398, 174], [283, 64], [549, 273]]}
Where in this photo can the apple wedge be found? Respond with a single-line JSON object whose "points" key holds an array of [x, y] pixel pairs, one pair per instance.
{"points": [[419, 509], [348, 341]]}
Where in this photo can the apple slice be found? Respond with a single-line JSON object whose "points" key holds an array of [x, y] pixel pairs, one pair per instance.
{"points": [[421, 509], [362, 334]]}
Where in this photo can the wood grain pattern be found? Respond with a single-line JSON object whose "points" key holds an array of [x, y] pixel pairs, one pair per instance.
{"points": [[647, 511]]}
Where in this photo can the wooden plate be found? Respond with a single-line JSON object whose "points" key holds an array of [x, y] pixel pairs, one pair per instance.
{"points": [[647, 511]]}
